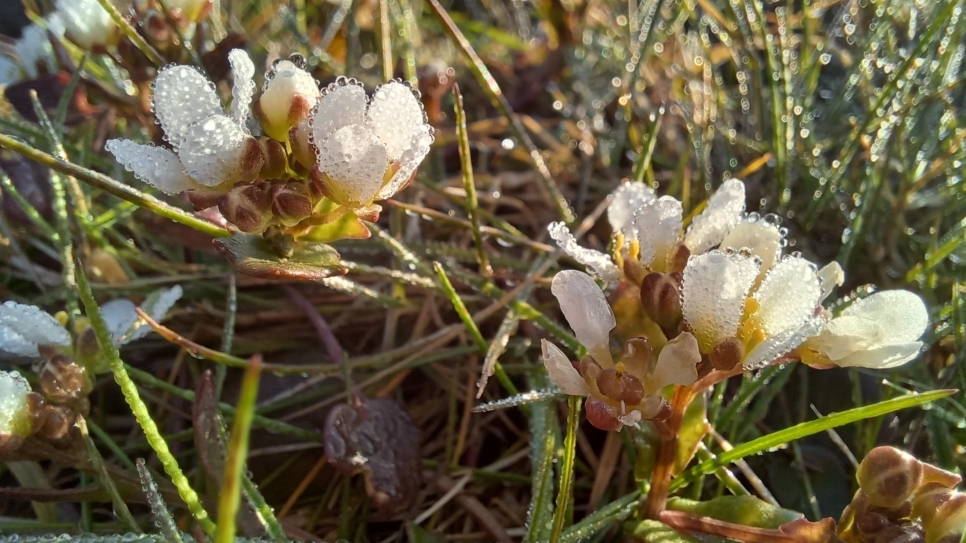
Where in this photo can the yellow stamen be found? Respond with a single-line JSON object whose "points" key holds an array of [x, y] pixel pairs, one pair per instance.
{"points": [[61, 317]]}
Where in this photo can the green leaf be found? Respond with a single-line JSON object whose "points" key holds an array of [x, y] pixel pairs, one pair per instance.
{"points": [[745, 510], [652, 531], [348, 226], [253, 255]]}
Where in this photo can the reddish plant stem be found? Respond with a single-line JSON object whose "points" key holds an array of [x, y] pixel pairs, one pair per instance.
{"points": [[681, 521], [666, 453]]}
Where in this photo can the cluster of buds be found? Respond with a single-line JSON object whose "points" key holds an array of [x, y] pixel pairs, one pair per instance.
{"points": [[24, 413], [901, 499], [327, 154], [718, 296]]}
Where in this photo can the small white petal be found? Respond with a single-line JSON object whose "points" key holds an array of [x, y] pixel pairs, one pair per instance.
{"points": [[830, 276], [339, 106], [561, 371], [156, 305], [587, 311], [713, 224], [183, 97], [630, 419], [243, 87], [86, 23], [212, 151], [120, 316], [14, 410], [408, 162], [901, 314], [289, 83], [782, 343], [13, 344], [762, 237], [677, 364], [33, 324], [714, 290], [627, 199], [356, 163], [600, 264], [657, 226], [847, 334], [885, 357], [156, 166], [788, 296], [396, 117]]}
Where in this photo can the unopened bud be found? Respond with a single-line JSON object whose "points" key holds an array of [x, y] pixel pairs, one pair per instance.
{"points": [[637, 356], [869, 523], [302, 151], [601, 415], [88, 25], [727, 354], [64, 380], [248, 206], [57, 422], [291, 202], [86, 345], [588, 368], [203, 199], [888, 476], [276, 159], [288, 97], [677, 258], [661, 299], [928, 500], [620, 386], [949, 518]]}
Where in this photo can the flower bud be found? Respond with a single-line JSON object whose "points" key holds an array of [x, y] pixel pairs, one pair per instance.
{"points": [[287, 98], [948, 518], [87, 24], [661, 299], [888, 476], [928, 500], [291, 202], [248, 206], [588, 369], [57, 422], [727, 354], [276, 159], [620, 386], [601, 415], [14, 405], [870, 523], [201, 200], [63, 380]]}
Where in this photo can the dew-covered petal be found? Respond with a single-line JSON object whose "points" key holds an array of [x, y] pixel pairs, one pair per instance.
{"points": [[355, 161], [587, 311], [845, 335], [156, 305], [782, 343], [120, 317], [339, 106], [183, 97], [561, 371], [627, 199], [657, 226], [86, 23], [408, 162], [156, 166], [788, 296], [885, 357], [14, 407], [713, 224], [396, 117], [714, 290], [213, 150], [13, 344], [243, 87], [600, 264], [677, 364], [287, 98], [762, 237], [830, 276], [33, 324], [901, 314]]}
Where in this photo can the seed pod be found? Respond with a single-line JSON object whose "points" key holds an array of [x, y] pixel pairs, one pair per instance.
{"points": [[248, 206], [620, 386], [291, 202], [888, 476], [601, 415], [661, 299], [727, 354]]}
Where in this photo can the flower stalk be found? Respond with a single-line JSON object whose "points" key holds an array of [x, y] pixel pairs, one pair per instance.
{"points": [[666, 453]]}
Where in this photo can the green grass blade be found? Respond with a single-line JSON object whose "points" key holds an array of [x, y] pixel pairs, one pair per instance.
{"points": [[237, 452]]}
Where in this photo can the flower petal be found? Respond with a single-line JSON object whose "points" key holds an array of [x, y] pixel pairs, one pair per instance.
{"points": [[356, 163], [397, 118], [561, 371], [587, 311], [901, 314], [830, 276], [788, 296], [657, 225], [782, 343], [213, 150], [243, 87], [713, 224], [14, 410], [120, 317], [600, 264], [13, 344], [341, 104], [714, 290], [156, 305], [86, 23], [33, 324], [156, 166], [845, 335], [408, 162], [762, 237], [627, 199], [888, 356], [677, 364], [183, 97]]}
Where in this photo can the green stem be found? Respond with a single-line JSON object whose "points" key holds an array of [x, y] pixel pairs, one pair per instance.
{"points": [[132, 33], [237, 451], [120, 506], [469, 184], [566, 469]]}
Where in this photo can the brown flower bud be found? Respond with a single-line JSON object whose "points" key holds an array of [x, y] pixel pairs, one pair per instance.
{"points": [[57, 422], [86, 345], [276, 159], [888, 476], [37, 408], [677, 258], [291, 202], [63, 380], [248, 206], [601, 415], [588, 368], [661, 299], [620, 386], [949, 518], [634, 271], [202, 199], [727, 354], [637, 356], [928, 500], [869, 523]]}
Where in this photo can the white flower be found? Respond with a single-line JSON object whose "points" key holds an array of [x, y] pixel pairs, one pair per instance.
{"points": [[190, 10], [620, 393], [288, 97], [25, 328], [771, 321], [33, 48], [14, 409], [87, 24], [881, 331], [211, 150], [368, 149]]}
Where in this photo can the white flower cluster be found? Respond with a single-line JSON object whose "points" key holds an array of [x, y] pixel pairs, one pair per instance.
{"points": [[721, 294]]}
